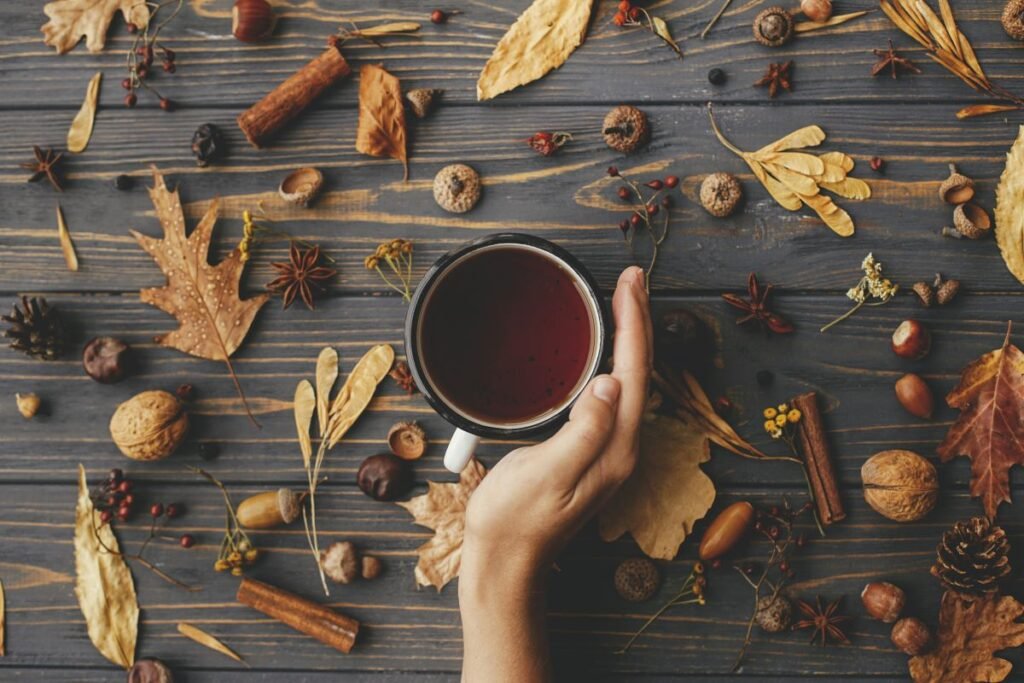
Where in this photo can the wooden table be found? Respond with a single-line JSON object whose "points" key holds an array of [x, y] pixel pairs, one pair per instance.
{"points": [[415, 634]]}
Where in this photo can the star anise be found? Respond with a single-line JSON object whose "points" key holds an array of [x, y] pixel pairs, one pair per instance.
{"points": [[300, 275], [45, 165], [891, 59], [403, 377], [757, 308], [777, 77], [825, 621]]}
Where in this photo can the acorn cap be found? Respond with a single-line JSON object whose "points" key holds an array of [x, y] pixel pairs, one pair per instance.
{"points": [[924, 293], [1013, 19], [957, 188], [946, 291], [421, 100], [774, 613], [971, 221], [407, 440], [720, 194], [301, 186], [637, 579], [625, 128], [289, 505], [773, 26], [457, 188]]}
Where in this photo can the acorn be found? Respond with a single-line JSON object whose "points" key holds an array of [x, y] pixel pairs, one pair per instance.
{"points": [[883, 601], [252, 20], [971, 221], [773, 27], [1013, 19], [911, 636], [625, 128], [269, 509], [957, 188]]}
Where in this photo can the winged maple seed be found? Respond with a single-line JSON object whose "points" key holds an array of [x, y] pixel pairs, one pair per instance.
{"points": [[205, 299], [757, 307], [71, 20]]}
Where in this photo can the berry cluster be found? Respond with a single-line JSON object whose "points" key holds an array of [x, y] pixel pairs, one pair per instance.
{"points": [[646, 207], [143, 52], [237, 558], [116, 499], [627, 14], [548, 143]]}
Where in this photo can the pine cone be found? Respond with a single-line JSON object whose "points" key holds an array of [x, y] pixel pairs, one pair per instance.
{"points": [[972, 557], [35, 329]]}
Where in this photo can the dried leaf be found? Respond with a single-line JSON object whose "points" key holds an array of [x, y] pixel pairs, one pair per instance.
{"points": [[797, 182], [990, 429], [326, 376], [844, 161], [390, 29], [81, 126], [836, 20], [304, 406], [357, 391], [833, 216], [661, 30], [66, 245], [971, 111], [206, 640], [205, 299], [381, 131], [542, 39], [800, 162], [970, 633], [103, 584], [786, 198], [808, 136], [443, 509], [667, 492], [690, 397], [1010, 209], [70, 20], [851, 188], [3, 621]]}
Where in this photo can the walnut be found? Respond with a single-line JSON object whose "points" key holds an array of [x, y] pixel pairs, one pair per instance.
{"points": [[900, 485], [625, 128], [457, 188], [149, 426]]}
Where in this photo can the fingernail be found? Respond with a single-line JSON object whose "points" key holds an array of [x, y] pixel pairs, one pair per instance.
{"points": [[607, 389], [640, 280]]}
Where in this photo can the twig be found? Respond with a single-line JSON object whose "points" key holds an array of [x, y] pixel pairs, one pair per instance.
{"points": [[714, 19]]}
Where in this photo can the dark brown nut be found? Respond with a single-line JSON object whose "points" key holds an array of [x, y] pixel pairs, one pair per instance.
{"points": [[149, 426], [911, 340], [637, 579], [720, 194], [252, 20], [817, 10], [900, 485], [421, 101], [726, 530], [105, 359], [457, 188], [150, 671], [946, 291], [911, 636], [269, 509], [371, 567], [625, 128], [883, 601], [407, 440], [384, 477], [915, 396], [340, 562], [773, 27], [28, 404], [1013, 19], [774, 613], [957, 188], [971, 221], [925, 293]]}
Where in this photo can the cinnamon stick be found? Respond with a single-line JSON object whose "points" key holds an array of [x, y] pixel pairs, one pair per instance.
{"points": [[814, 449], [263, 119], [329, 627]]}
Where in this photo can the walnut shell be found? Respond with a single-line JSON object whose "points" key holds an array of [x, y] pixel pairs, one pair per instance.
{"points": [[149, 426], [457, 188], [900, 485]]}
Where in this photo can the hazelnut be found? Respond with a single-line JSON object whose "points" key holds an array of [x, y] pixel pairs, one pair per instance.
{"points": [[384, 477], [150, 671], [28, 404], [149, 426], [957, 188], [407, 440], [773, 27], [911, 636], [269, 509], [1013, 19], [637, 579], [774, 613], [625, 128], [371, 567], [252, 20], [421, 100], [720, 194], [914, 394], [457, 188], [340, 562], [900, 485], [105, 359], [911, 340], [971, 221], [925, 293], [817, 10], [883, 601], [726, 530]]}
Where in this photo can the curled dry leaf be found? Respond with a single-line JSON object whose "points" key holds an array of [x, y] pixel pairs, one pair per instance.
{"points": [[67, 247], [103, 584], [990, 429], [970, 633], [206, 640], [304, 406], [3, 621], [542, 39], [381, 131], [71, 20], [443, 509], [81, 126], [357, 391], [1010, 209]]}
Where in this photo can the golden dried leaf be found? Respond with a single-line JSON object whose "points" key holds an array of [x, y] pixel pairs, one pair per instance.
{"points": [[904, 23], [103, 584], [844, 161], [690, 397], [970, 633], [81, 126], [851, 188], [667, 492], [326, 376], [786, 198], [206, 640], [390, 29], [67, 247], [797, 182], [1010, 209], [969, 57], [808, 136], [799, 162], [971, 111], [304, 406], [443, 509], [357, 391], [834, 217], [950, 24], [661, 30], [70, 20], [381, 131], [3, 621], [836, 20], [542, 39]]}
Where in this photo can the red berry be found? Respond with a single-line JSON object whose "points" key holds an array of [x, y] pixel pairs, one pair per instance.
{"points": [[774, 532], [655, 184], [634, 220], [141, 72], [652, 209], [619, 19], [175, 510], [634, 14], [877, 164], [169, 67], [132, 28], [169, 54], [438, 17], [156, 510], [613, 171], [187, 541], [126, 84], [106, 516], [128, 499], [125, 486], [123, 513], [671, 181], [759, 525], [783, 566], [624, 193], [624, 5], [166, 104], [112, 500]]}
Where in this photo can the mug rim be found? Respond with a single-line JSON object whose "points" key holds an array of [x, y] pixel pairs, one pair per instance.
{"points": [[456, 418]]}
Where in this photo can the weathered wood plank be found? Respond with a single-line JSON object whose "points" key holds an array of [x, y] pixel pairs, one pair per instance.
{"points": [[567, 198]]}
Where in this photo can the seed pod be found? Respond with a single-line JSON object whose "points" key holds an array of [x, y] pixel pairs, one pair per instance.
{"points": [[269, 509], [457, 188], [371, 567], [726, 530], [407, 440], [774, 613], [957, 188], [971, 220], [421, 101], [946, 290]]}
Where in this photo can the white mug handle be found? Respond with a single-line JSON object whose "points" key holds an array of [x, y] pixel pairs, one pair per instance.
{"points": [[460, 450]]}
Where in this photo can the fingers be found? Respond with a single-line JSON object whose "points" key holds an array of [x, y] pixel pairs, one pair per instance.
{"points": [[633, 345]]}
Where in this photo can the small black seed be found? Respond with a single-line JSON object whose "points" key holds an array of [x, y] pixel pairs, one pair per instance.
{"points": [[123, 182], [716, 77]]}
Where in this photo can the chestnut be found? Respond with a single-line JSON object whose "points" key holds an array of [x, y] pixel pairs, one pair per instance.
{"points": [[915, 396], [883, 601], [911, 636], [911, 340], [384, 476], [150, 671], [252, 20], [105, 359]]}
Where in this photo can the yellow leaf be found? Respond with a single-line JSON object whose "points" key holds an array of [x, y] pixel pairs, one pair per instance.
{"points": [[303, 406], [206, 640], [973, 110], [797, 182], [808, 136], [782, 194], [81, 126], [67, 247], [357, 391], [103, 584], [326, 376], [800, 162], [1010, 209], [851, 188], [834, 217], [969, 56], [844, 161], [540, 40], [935, 26]]}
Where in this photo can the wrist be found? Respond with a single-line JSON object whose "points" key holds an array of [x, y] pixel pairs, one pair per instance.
{"points": [[493, 577]]}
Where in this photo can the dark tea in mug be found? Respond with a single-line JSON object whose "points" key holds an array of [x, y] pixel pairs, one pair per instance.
{"points": [[507, 335]]}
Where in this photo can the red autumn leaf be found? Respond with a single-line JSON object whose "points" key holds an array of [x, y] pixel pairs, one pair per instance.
{"points": [[990, 430]]}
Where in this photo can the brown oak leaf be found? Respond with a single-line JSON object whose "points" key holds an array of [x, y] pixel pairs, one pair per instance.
{"points": [[70, 20], [205, 299], [381, 131], [970, 633], [443, 509], [990, 429]]}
